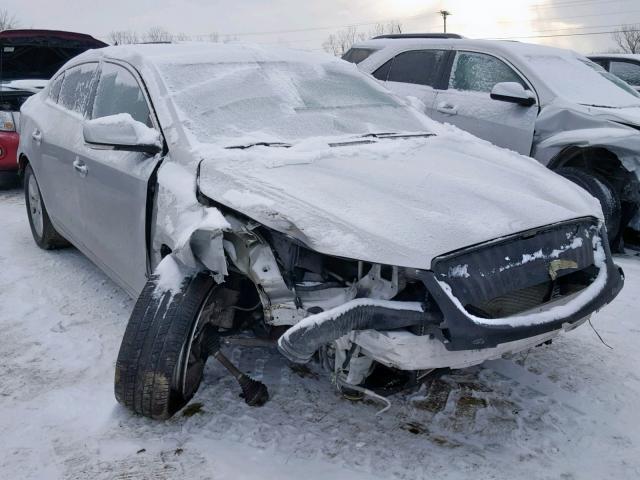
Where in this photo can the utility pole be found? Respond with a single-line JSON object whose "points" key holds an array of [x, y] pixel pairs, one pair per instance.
{"points": [[445, 14]]}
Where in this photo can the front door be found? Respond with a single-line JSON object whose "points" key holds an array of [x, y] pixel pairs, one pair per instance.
{"points": [[114, 191], [467, 104]]}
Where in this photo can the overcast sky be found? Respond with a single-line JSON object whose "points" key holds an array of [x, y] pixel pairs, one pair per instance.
{"points": [[257, 20]]}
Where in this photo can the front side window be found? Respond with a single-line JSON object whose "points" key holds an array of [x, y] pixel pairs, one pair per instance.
{"points": [[420, 67], [627, 71], [119, 92], [76, 87], [478, 72]]}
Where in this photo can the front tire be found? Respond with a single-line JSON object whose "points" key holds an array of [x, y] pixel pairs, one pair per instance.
{"points": [[44, 233], [602, 190], [161, 363]]}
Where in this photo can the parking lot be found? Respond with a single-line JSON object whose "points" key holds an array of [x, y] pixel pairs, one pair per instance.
{"points": [[562, 411]]}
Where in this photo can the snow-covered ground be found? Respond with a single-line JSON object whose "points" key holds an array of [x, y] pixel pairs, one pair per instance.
{"points": [[565, 411]]}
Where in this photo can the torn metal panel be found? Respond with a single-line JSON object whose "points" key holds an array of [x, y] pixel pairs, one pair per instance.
{"points": [[193, 232], [561, 125]]}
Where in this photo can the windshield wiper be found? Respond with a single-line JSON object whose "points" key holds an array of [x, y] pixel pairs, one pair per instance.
{"points": [[396, 135], [367, 138], [259, 144]]}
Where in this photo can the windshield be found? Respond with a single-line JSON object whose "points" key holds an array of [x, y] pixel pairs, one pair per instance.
{"points": [[282, 101], [582, 81]]}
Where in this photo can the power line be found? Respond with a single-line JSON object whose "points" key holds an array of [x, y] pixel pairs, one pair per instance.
{"points": [[559, 35], [576, 3]]}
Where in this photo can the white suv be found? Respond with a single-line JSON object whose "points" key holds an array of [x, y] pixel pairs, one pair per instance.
{"points": [[554, 105]]}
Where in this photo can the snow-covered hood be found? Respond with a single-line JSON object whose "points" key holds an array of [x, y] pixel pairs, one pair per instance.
{"points": [[399, 202]]}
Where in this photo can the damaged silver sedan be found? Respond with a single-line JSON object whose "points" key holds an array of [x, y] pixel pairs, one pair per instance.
{"points": [[280, 197]]}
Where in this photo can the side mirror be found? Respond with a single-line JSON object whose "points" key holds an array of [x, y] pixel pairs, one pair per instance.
{"points": [[513, 92], [121, 132]]}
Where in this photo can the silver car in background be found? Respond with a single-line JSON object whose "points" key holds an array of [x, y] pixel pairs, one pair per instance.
{"points": [[552, 104], [262, 195], [625, 66]]}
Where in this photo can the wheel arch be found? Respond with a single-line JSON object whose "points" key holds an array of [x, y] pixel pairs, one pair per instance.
{"points": [[603, 163]]}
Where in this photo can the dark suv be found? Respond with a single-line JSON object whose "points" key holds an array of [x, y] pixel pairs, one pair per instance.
{"points": [[28, 59]]}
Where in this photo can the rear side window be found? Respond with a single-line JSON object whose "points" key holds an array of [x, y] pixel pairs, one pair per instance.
{"points": [[119, 92], [357, 55], [600, 61], [382, 73], [420, 67], [627, 71], [76, 87], [478, 72], [55, 86]]}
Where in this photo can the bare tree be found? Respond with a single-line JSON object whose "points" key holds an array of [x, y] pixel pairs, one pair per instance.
{"points": [[338, 43], [394, 27], [7, 20], [378, 29], [181, 37], [123, 37], [157, 34], [214, 37], [628, 38]]}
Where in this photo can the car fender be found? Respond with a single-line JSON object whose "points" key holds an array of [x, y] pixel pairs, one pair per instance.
{"points": [[559, 127], [191, 231]]}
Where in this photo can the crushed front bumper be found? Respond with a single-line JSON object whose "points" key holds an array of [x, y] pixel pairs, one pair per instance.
{"points": [[460, 285]]}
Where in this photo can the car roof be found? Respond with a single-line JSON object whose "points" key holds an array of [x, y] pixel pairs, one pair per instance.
{"points": [[39, 35], [157, 54], [502, 47]]}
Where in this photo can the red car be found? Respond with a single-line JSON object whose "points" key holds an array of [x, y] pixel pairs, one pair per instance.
{"points": [[28, 59]]}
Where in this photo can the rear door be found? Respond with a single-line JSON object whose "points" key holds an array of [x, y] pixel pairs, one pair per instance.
{"points": [[115, 183], [466, 102], [414, 73], [58, 138]]}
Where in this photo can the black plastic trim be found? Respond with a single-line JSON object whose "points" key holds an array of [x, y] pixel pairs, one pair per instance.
{"points": [[465, 334]]}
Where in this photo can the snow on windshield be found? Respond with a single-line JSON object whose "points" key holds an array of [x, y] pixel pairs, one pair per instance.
{"points": [[276, 100], [581, 81]]}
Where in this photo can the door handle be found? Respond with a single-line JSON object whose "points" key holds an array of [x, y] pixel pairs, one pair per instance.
{"points": [[447, 109], [37, 136], [80, 167]]}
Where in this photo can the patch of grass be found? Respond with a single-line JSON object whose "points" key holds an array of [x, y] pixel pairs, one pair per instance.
{"points": [[414, 427], [303, 371], [193, 409]]}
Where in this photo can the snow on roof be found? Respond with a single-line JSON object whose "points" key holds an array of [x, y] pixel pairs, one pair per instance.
{"points": [[206, 52], [503, 46]]}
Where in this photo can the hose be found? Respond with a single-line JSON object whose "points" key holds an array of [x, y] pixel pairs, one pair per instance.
{"points": [[301, 341]]}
